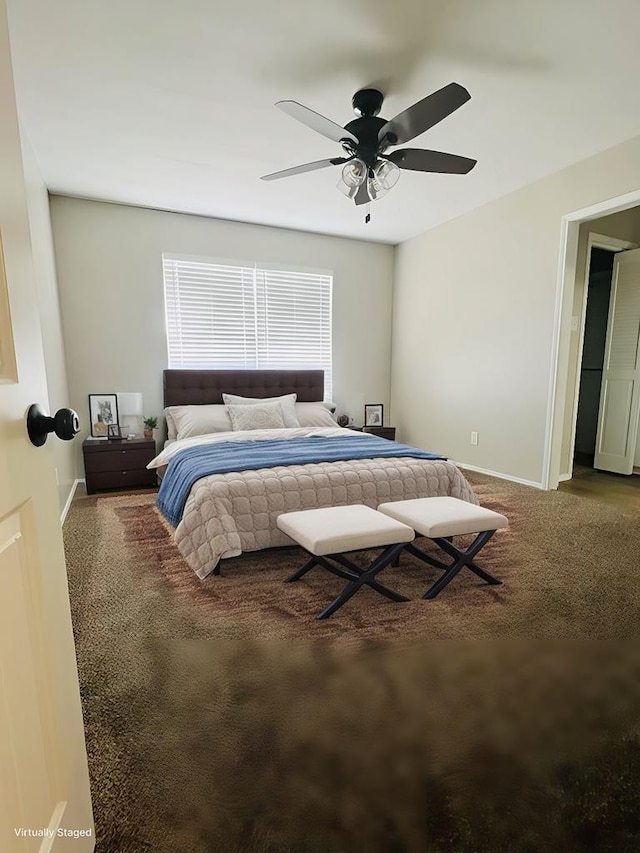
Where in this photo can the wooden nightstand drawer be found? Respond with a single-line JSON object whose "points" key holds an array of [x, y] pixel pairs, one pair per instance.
{"points": [[382, 432], [118, 464], [120, 480], [129, 459]]}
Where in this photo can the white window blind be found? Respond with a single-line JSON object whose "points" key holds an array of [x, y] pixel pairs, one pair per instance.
{"points": [[239, 317]]}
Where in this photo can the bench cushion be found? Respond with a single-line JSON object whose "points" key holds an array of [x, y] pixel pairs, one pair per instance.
{"points": [[443, 516], [337, 529]]}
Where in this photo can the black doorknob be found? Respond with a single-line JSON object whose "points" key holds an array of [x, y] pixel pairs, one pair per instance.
{"points": [[64, 423]]}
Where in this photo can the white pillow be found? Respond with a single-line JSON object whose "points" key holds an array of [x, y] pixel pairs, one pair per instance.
{"points": [[287, 402], [171, 424], [266, 416], [314, 415], [188, 421]]}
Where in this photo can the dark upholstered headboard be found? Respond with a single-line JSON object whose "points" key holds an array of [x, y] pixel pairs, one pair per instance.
{"points": [[198, 387]]}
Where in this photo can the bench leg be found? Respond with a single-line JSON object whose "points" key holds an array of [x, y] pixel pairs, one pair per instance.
{"points": [[461, 559], [357, 572], [364, 577], [297, 575], [356, 576]]}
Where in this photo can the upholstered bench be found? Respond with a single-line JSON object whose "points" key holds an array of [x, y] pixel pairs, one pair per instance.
{"points": [[330, 532], [440, 519]]}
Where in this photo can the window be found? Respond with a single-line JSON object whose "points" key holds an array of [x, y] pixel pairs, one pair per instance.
{"points": [[230, 316]]}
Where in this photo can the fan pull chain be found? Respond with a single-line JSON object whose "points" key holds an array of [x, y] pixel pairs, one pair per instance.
{"points": [[368, 216]]}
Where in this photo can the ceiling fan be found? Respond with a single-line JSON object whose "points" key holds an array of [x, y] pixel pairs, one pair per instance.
{"points": [[369, 172]]}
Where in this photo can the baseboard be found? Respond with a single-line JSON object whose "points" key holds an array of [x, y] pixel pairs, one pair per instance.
{"points": [[64, 512], [500, 476]]}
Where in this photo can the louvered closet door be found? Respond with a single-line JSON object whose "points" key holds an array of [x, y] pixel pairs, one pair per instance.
{"points": [[620, 393]]}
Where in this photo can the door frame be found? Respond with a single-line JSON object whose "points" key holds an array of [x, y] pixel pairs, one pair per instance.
{"points": [[594, 241], [559, 400]]}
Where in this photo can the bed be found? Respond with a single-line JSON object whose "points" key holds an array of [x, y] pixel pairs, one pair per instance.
{"points": [[234, 510]]}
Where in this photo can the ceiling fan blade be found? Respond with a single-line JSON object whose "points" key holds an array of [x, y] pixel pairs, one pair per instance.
{"points": [[425, 113], [362, 196], [307, 167], [422, 160], [315, 121]]}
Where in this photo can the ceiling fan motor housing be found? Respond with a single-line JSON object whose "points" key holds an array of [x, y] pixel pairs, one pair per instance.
{"points": [[366, 129], [367, 102]]}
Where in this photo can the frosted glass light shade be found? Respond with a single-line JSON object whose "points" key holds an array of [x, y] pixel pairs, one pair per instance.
{"points": [[352, 176], [350, 192], [354, 173], [129, 403], [385, 176]]}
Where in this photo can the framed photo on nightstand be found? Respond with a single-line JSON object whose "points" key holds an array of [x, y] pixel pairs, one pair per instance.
{"points": [[103, 411], [113, 432], [373, 414]]}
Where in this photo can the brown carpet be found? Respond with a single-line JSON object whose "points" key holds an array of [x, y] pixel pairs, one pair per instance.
{"points": [[221, 716]]}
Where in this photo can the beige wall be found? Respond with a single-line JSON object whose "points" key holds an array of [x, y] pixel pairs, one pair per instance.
{"points": [[50, 321], [109, 262], [473, 321]]}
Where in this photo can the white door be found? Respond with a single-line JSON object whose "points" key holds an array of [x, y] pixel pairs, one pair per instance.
{"points": [[620, 393], [44, 785]]}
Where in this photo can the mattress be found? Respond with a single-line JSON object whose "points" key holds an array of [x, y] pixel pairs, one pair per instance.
{"points": [[235, 512]]}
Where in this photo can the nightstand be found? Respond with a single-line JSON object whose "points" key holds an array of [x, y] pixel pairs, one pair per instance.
{"points": [[381, 432], [118, 464]]}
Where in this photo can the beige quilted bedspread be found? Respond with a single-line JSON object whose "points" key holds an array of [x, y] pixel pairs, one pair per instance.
{"points": [[227, 514]]}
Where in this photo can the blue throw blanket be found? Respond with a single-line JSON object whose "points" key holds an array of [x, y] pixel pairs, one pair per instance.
{"points": [[194, 463]]}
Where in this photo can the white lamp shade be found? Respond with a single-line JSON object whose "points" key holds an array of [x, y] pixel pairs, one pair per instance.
{"points": [[129, 403]]}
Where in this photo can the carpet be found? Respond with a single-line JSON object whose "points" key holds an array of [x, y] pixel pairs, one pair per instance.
{"points": [[220, 716]]}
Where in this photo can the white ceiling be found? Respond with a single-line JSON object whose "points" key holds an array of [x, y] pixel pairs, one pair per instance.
{"points": [[169, 103]]}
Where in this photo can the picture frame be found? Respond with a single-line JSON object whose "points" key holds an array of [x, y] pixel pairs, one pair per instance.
{"points": [[373, 414], [113, 432], [103, 410]]}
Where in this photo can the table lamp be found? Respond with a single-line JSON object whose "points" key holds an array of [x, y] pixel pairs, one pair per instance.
{"points": [[130, 409]]}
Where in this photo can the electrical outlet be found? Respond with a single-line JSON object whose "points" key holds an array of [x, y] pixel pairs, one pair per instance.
{"points": [[474, 438]]}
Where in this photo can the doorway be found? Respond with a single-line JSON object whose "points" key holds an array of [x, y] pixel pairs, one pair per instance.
{"points": [[619, 216], [605, 434], [586, 479], [595, 333]]}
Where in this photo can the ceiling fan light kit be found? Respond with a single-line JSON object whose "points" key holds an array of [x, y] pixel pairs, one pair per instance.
{"points": [[354, 173], [383, 178], [379, 180], [369, 172]]}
